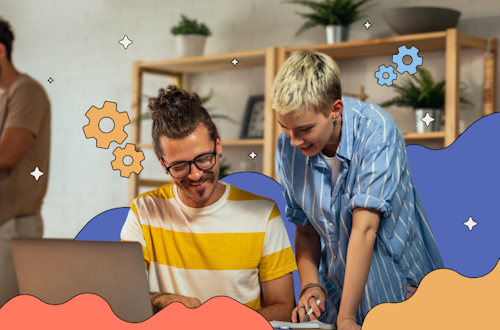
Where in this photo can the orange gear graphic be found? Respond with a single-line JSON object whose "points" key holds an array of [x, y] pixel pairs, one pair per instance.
{"points": [[120, 120], [125, 170]]}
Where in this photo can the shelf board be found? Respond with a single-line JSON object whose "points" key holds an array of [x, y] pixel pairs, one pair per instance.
{"points": [[225, 143], [423, 136], [434, 41], [237, 143], [206, 63]]}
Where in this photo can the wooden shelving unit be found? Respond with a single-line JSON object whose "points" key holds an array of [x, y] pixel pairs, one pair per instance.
{"points": [[451, 41]]}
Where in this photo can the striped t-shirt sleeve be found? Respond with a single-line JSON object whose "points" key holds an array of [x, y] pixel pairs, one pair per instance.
{"points": [[277, 254], [132, 232]]}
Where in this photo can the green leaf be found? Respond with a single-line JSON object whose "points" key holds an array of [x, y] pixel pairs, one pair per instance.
{"points": [[307, 25], [332, 12], [187, 26], [424, 94]]}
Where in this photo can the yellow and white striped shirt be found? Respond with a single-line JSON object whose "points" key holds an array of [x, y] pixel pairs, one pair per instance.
{"points": [[225, 249]]}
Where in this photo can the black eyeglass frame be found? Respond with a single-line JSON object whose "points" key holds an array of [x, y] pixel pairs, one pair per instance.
{"points": [[167, 168]]}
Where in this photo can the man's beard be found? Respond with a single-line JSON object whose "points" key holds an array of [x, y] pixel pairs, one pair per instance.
{"points": [[197, 196]]}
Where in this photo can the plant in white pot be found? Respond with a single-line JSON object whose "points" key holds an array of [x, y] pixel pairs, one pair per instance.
{"points": [[335, 15], [190, 37], [426, 97]]}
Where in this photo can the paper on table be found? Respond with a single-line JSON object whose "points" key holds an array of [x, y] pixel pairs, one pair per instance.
{"points": [[306, 325]]}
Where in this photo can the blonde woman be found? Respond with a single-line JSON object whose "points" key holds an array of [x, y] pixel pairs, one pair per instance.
{"points": [[362, 234]]}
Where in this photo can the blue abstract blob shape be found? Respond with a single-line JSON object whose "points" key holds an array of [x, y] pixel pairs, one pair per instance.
{"points": [[106, 226], [458, 182]]}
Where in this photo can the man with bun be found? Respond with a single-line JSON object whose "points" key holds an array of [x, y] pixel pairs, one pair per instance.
{"points": [[203, 238]]}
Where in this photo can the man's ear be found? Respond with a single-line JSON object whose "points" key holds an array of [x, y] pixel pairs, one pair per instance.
{"points": [[3, 51], [219, 149], [162, 162]]}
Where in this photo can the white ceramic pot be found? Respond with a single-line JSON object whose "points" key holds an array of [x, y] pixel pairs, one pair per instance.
{"points": [[190, 44], [434, 126], [336, 33]]}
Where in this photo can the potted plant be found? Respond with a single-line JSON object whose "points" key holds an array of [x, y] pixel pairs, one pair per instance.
{"points": [[424, 97], [335, 15], [190, 37]]}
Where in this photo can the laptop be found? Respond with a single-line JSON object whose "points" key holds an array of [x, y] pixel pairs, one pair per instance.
{"points": [[56, 270]]}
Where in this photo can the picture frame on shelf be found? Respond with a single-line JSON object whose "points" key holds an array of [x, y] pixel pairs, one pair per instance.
{"points": [[253, 120]]}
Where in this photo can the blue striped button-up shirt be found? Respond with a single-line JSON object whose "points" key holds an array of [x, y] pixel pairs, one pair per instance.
{"points": [[374, 173]]}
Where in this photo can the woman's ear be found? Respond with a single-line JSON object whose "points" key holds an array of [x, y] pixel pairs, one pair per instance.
{"points": [[337, 108]]}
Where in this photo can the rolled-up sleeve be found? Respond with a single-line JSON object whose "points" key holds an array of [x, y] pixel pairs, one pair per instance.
{"points": [[378, 173]]}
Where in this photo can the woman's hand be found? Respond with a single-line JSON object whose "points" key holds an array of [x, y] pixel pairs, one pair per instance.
{"points": [[308, 300], [348, 324]]}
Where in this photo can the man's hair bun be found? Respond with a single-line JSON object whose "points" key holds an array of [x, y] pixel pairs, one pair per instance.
{"points": [[171, 98]]}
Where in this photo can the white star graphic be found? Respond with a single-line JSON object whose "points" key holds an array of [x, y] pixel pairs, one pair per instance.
{"points": [[470, 223], [427, 119], [235, 61], [252, 155], [50, 80], [125, 42], [367, 25], [37, 173]]}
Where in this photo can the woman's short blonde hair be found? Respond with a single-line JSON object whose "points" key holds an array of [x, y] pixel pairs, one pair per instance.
{"points": [[307, 80]]}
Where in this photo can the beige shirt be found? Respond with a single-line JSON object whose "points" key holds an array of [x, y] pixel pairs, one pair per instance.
{"points": [[24, 104]]}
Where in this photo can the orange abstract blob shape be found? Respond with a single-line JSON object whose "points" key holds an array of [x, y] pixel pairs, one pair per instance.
{"points": [[89, 311], [444, 300], [120, 120], [137, 157]]}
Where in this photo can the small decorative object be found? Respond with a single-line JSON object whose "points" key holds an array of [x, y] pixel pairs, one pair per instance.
{"points": [[428, 97], [411, 20], [335, 15], [253, 122], [190, 37]]}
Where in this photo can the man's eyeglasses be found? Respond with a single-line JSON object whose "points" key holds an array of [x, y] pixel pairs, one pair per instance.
{"points": [[203, 162]]}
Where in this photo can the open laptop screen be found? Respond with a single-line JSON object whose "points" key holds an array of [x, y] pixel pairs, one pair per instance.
{"points": [[56, 270]]}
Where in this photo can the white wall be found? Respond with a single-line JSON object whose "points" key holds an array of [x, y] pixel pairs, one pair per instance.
{"points": [[76, 43]]}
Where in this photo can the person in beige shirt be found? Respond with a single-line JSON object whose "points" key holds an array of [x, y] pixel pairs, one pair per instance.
{"points": [[24, 146]]}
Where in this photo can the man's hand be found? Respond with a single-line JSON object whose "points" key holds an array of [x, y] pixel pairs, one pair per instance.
{"points": [[161, 299]]}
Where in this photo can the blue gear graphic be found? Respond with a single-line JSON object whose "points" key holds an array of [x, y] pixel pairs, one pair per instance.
{"points": [[380, 75], [415, 60]]}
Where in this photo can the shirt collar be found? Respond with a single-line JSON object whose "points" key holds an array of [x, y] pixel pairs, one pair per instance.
{"points": [[344, 150]]}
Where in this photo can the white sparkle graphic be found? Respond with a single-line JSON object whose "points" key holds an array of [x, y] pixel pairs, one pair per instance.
{"points": [[235, 61], [125, 42], [367, 25], [37, 173], [252, 155], [427, 119], [470, 223], [50, 80]]}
